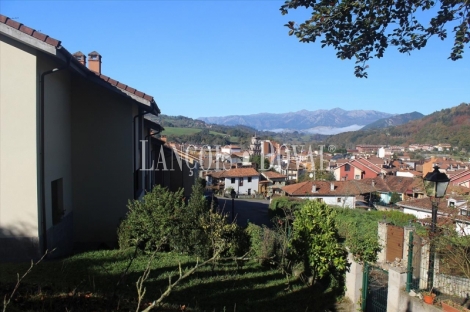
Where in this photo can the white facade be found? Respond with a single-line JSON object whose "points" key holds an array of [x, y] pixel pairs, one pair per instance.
{"points": [[461, 227], [243, 185], [405, 174], [381, 152], [229, 149], [342, 201]]}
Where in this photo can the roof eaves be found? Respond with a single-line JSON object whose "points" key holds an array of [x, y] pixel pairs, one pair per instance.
{"points": [[43, 42], [5, 20], [27, 39]]}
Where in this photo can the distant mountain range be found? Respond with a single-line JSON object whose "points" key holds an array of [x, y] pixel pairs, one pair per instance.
{"points": [[450, 125], [306, 121], [395, 120]]}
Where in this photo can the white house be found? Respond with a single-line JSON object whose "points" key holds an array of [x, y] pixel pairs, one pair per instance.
{"points": [[337, 193], [243, 180], [453, 208]]}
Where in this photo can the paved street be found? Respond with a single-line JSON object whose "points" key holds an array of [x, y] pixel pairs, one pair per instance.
{"points": [[252, 210]]}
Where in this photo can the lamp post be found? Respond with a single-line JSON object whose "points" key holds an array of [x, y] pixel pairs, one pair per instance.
{"points": [[233, 194], [435, 185]]}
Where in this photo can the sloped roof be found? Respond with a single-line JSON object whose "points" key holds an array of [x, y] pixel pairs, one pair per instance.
{"points": [[324, 188], [57, 45], [29, 31], [240, 172], [425, 204]]}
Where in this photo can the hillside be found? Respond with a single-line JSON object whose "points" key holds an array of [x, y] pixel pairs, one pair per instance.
{"points": [[395, 120], [183, 129], [451, 125], [301, 120]]}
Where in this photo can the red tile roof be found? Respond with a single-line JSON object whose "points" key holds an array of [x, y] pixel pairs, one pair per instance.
{"points": [[323, 188], [29, 31], [56, 43], [240, 172], [124, 87]]}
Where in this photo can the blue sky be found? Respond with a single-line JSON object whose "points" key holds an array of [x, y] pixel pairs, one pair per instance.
{"points": [[217, 58]]}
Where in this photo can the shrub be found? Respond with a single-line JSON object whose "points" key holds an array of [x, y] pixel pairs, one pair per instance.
{"points": [[263, 242], [282, 206], [315, 241], [358, 228], [162, 218], [150, 221]]}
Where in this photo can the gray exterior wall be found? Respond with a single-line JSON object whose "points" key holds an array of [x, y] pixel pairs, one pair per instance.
{"points": [[102, 162]]}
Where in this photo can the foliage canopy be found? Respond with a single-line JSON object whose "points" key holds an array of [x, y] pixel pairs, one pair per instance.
{"points": [[316, 240], [364, 29]]}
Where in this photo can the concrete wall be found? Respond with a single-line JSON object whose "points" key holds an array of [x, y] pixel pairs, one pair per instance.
{"points": [[354, 283], [382, 233], [102, 149], [19, 228]]}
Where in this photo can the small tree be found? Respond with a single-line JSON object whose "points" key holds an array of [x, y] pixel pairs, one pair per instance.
{"points": [[316, 240], [395, 198], [454, 253]]}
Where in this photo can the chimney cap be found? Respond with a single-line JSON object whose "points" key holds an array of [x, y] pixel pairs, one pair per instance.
{"points": [[79, 53], [94, 53]]}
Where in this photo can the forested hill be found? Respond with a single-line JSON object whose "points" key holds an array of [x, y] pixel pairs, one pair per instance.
{"points": [[187, 130], [393, 121], [451, 125]]}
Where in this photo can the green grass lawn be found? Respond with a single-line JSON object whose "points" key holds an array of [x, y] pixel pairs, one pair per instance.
{"points": [[87, 282]]}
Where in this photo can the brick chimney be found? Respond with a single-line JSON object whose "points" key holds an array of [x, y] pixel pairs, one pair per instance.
{"points": [[80, 57], [94, 62]]}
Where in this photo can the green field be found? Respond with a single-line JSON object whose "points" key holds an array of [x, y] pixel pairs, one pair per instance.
{"points": [[176, 131], [180, 131]]}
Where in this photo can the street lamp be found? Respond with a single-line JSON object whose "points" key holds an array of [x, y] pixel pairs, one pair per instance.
{"points": [[435, 185]]}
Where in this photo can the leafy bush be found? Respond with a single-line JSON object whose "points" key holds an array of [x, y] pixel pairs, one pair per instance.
{"points": [[263, 242], [315, 241], [162, 218], [282, 206], [149, 222], [359, 229]]}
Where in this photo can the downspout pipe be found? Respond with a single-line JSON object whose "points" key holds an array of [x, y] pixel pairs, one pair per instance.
{"points": [[42, 162]]}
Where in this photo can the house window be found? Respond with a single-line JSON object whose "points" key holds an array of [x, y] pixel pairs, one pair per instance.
{"points": [[338, 200], [57, 200], [240, 182], [451, 204], [249, 179], [347, 167], [357, 177], [464, 212], [249, 191], [232, 180]]}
